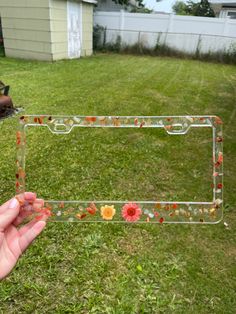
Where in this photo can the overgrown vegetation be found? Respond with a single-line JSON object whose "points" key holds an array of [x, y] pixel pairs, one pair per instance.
{"points": [[122, 269], [160, 49]]}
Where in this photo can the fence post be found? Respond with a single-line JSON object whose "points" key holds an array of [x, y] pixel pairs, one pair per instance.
{"points": [[198, 47], [122, 23], [170, 23], [139, 41], [104, 37], [225, 29], [169, 26]]}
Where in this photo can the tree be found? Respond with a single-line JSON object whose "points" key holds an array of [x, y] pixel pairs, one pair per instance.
{"points": [[180, 8], [201, 8]]}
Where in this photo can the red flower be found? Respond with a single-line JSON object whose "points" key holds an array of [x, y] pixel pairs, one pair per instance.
{"points": [[219, 185], [91, 209], [161, 220], [219, 139], [220, 158], [90, 119], [131, 212]]}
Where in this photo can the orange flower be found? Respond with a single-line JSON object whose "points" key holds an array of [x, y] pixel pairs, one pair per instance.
{"points": [[40, 120], [80, 216], [107, 212], [158, 205], [61, 205], [116, 121], [218, 120]]}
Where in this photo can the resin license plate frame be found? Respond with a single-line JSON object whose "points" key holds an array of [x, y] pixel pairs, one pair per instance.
{"points": [[156, 211]]}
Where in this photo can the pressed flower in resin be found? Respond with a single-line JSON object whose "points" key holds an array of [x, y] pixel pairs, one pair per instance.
{"points": [[131, 212], [148, 213], [108, 212], [174, 206], [90, 119], [91, 209], [218, 120]]}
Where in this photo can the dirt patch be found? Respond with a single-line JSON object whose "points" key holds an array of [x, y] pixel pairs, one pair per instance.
{"points": [[138, 241]]}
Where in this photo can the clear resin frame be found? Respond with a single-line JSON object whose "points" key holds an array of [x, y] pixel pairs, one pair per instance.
{"points": [[156, 211]]}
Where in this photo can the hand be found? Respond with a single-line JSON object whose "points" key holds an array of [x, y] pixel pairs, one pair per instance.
{"points": [[13, 241]]}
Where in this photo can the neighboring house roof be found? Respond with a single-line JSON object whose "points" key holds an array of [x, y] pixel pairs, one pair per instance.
{"points": [[231, 2], [90, 1], [222, 8]]}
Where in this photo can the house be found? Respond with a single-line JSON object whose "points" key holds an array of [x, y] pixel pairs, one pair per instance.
{"points": [[47, 29], [224, 8], [111, 6]]}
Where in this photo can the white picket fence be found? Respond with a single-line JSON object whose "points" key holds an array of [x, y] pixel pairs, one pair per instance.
{"points": [[185, 33]]}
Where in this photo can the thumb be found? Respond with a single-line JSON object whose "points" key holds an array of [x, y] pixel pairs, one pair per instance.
{"points": [[8, 212], [29, 235]]}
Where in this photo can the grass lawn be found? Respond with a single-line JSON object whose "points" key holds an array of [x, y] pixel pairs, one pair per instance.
{"points": [[107, 268]]}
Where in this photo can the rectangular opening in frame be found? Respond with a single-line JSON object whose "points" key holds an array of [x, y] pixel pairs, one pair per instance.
{"points": [[170, 167]]}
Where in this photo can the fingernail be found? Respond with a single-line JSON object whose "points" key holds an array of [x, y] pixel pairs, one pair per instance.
{"points": [[13, 203], [29, 196]]}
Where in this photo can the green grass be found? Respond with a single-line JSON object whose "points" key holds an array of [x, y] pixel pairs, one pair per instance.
{"points": [[105, 268]]}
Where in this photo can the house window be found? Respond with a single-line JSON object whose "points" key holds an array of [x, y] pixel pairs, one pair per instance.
{"points": [[232, 14]]}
